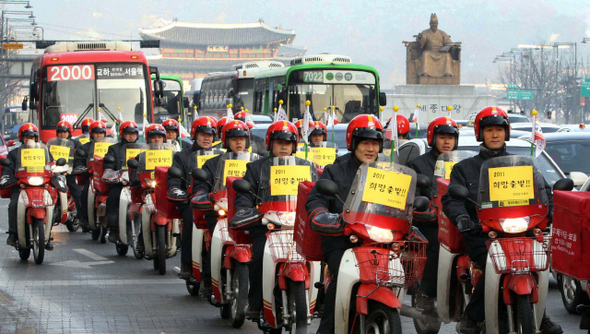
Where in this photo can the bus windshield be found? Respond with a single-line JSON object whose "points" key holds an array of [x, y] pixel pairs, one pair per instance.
{"points": [[172, 101], [127, 94], [15, 116]]}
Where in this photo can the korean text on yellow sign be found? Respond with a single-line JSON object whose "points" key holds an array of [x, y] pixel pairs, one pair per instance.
{"points": [[284, 180], [201, 159], [234, 168], [101, 149], [60, 152], [83, 140], [131, 153], [511, 183], [158, 158], [387, 188], [32, 157]]}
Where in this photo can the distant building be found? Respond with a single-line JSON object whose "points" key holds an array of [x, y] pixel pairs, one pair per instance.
{"points": [[191, 50]]}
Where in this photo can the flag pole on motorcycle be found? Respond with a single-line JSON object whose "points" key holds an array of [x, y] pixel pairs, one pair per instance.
{"points": [[145, 126], [230, 113], [416, 116], [305, 127], [332, 121], [538, 142], [281, 115], [394, 134]]}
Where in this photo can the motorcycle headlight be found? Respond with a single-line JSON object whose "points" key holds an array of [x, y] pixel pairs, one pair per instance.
{"points": [[287, 218], [515, 225], [35, 180], [151, 183], [381, 235]]}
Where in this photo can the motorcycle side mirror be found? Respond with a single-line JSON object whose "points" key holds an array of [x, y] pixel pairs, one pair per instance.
{"points": [[175, 173], [421, 203], [81, 153], [327, 188], [132, 163], [242, 186], [109, 159], [200, 175], [61, 162], [5, 162], [423, 181], [459, 192], [564, 184]]}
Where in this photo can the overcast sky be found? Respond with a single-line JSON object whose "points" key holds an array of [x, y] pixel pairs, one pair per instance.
{"points": [[371, 32]]}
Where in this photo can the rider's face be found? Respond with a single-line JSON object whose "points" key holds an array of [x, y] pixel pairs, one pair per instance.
{"points": [[282, 148], [157, 139], [62, 135], [445, 142], [316, 139], [237, 144], [130, 137], [494, 136], [98, 135], [367, 150], [27, 138], [171, 135], [204, 140]]}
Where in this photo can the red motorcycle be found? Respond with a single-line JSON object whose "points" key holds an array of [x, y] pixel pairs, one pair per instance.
{"points": [[513, 207], [65, 208], [37, 197]]}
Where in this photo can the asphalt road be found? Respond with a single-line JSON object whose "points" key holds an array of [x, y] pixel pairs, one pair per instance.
{"points": [[84, 287]]}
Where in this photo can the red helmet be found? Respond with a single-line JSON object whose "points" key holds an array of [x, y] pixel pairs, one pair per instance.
{"points": [[282, 130], [205, 124], [442, 124], [86, 124], [364, 127], [221, 123], [28, 129], [172, 125], [318, 128], [403, 125], [153, 130], [128, 126], [241, 116], [491, 116], [97, 127], [64, 126], [299, 125], [234, 128]]}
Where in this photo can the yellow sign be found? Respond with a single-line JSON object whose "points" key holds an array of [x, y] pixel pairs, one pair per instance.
{"points": [[449, 168], [157, 158], [131, 153], [32, 157], [36, 169], [12, 46], [386, 188], [511, 183], [101, 149], [84, 140], [201, 159], [60, 152], [322, 156], [234, 168], [444, 168], [517, 202], [284, 180]]}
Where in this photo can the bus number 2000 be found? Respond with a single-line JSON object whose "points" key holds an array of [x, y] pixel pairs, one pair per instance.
{"points": [[70, 72]]}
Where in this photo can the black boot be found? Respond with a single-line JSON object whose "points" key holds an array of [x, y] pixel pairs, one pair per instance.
{"points": [[11, 240], [113, 235], [550, 327], [468, 325], [186, 271]]}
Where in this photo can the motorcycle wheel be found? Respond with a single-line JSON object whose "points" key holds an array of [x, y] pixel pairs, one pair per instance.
{"points": [[572, 293], [298, 303], [24, 253], [382, 319], [96, 233], [122, 249], [192, 288], [524, 315], [38, 240], [239, 282], [161, 251], [424, 327], [225, 311], [135, 239], [73, 225]]}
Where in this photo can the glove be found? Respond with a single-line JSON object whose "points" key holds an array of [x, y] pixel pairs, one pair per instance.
{"points": [[80, 170], [324, 222], [177, 195], [426, 216], [201, 201], [7, 181], [465, 224], [59, 182], [245, 218], [110, 176]]}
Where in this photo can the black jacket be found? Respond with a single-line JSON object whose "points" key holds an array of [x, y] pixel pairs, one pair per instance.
{"points": [[186, 161], [424, 165], [210, 166], [343, 158], [115, 151]]}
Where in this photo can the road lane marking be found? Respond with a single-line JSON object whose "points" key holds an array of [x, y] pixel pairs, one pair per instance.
{"points": [[80, 265], [97, 282], [89, 254]]}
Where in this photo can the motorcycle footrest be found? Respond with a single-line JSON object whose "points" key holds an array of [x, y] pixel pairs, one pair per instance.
{"points": [[318, 285], [176, 235]]}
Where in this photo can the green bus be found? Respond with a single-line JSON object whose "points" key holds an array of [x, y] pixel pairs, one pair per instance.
{"points": [[174, 104], [325, 80]]}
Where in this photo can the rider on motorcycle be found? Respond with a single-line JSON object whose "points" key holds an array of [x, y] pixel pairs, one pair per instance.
{"points": [[317, 134], [364, 138], [97, 131], [63, 130], [85, 132], [128, 132], [281, 141], [203, 132], [172, 133], [154, 134], [235, 137], [492, 127], [26, 132], [442, 136]]}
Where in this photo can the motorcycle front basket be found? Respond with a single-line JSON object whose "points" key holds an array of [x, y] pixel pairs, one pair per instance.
{"points": [[282, 246], [518, 255]]}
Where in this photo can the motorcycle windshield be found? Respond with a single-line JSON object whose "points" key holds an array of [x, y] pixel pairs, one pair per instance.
{"points": [[446, 161], [381, 198], [62, 148], [83, 139], [100, 147], [279, 182], [512, 193], [322, 154], [231, 165], [155, 155], [204, 155], [33, 159], [131, 151]]}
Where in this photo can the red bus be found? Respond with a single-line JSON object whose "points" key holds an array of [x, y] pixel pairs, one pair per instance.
{"points": [[75, 80]]}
